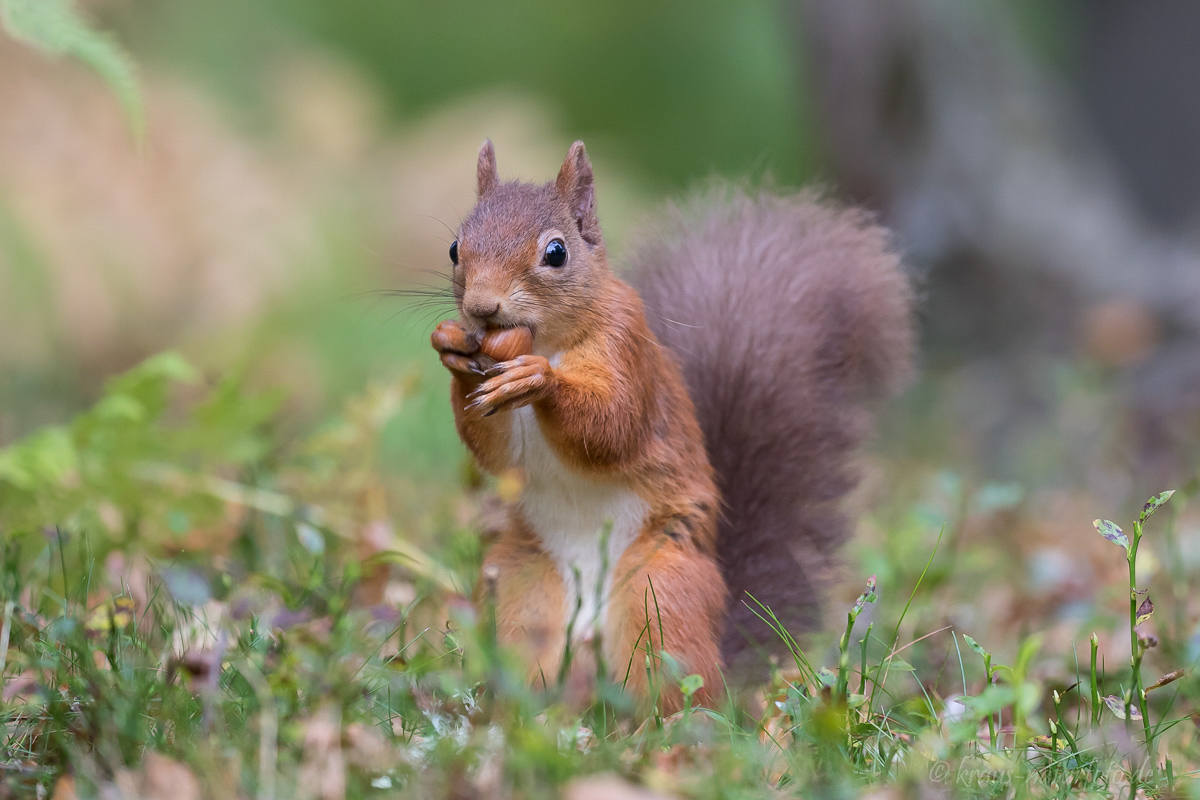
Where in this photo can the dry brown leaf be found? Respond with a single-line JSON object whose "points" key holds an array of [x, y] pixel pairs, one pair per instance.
{"points": [[21, 689], [164, 778], [1118, 334], [322, 772], [158, 778], [1170, 677], [201, 668], [365, 748], [608, 787], [202, 631], [65, 789]]}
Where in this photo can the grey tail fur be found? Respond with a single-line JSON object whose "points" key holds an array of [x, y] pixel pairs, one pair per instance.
{"points": [[790, 318]]}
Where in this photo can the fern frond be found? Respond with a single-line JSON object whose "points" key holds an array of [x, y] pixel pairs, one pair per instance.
{"points": [[56, 27]]}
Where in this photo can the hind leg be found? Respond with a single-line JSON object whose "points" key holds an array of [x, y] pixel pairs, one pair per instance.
{"points": [[530, 602], [666, 596]]}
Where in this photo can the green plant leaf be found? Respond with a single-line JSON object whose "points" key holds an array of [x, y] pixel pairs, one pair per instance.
{"points": [[974, 645], [1111, 531], [1028, 649], [691, 684], [1153, 504], [168, 365], [1028, 695], [41, 461], [56, 27], [990, 700], [120, 407]]}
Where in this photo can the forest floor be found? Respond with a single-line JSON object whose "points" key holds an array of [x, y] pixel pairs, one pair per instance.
{"points": [[199, 603]]}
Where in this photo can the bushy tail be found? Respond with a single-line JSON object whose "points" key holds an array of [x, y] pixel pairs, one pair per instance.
{"points": [[790, 317]]}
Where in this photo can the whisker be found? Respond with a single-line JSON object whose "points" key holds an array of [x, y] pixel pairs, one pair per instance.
{"points": [[415, 292], [453, 232], [677, 323], [390, 261]]}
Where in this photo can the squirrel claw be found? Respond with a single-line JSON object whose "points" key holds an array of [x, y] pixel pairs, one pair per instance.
{"points": [[480, 403]]}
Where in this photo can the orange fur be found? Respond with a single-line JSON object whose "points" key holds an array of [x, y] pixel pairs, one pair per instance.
{"points": [[666, 585], [529, 600]]}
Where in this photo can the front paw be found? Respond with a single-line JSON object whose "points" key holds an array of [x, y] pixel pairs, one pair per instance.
{"points": [[512, 384], [459, 348]]}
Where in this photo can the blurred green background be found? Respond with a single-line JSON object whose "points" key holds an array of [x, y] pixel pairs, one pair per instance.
{"points": [[335, 148], [674, 90], [301, 156]]}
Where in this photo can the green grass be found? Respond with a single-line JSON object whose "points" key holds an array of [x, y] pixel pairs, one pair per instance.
{"points": [[182, 590]]}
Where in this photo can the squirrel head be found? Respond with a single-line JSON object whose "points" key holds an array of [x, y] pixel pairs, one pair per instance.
{"points": [[530, 255]]}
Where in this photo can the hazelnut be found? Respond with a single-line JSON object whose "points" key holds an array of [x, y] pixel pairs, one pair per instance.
{"points": [[505, 344]]}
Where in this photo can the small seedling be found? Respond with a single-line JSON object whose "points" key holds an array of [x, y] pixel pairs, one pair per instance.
{"points": [[1132, 707]]}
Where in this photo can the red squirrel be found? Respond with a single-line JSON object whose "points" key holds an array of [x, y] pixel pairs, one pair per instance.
{"points": [[683, 450]]}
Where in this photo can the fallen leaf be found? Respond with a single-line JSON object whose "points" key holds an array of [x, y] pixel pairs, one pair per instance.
{"points": [[158, 778], [322, 772], [21, 689], [365, 748], [202, 667], [164, 778], [111, 615], [65, 789], [608, 787], [187, 585]]}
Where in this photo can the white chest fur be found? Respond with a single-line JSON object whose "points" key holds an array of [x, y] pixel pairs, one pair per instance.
{"points": [[568, 513]]}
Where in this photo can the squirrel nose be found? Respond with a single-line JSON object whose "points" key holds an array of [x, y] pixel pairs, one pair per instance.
{"points": [[483, 308]]}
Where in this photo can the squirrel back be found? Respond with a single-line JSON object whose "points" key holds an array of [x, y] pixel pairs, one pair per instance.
{"points": [[790, 318]]}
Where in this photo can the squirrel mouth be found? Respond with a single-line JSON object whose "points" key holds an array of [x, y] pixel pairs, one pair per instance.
{"points": [[510, 325]]}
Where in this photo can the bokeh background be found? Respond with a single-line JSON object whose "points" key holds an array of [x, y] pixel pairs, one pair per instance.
{"points": [[300, 158]]}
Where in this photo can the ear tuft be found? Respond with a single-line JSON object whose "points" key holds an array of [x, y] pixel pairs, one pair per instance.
{"points": [[486, 176], [576, 184]]}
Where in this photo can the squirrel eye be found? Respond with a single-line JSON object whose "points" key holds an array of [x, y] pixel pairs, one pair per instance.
{"points": [[454, 252], [556, 253]]}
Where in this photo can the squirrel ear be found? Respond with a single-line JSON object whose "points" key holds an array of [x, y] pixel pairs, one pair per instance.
{"points": [[577, 186], [486, 176]]}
